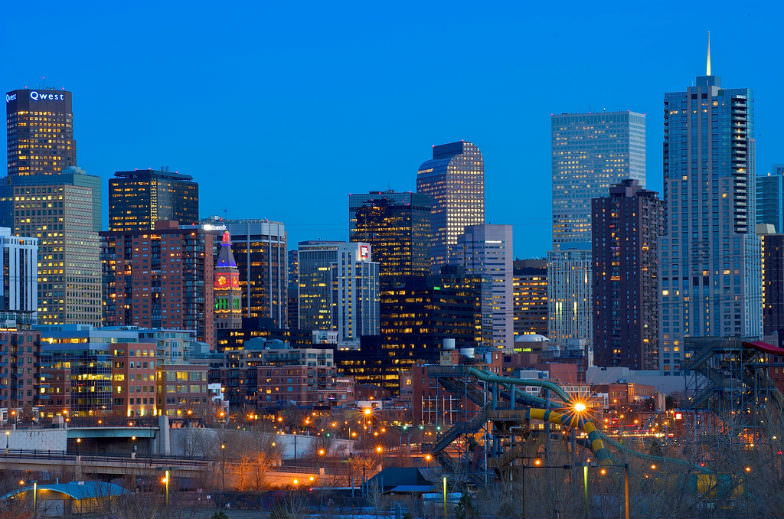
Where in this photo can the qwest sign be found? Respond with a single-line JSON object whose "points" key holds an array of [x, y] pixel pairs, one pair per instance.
{"points": [[10, 97], [39, 96]]}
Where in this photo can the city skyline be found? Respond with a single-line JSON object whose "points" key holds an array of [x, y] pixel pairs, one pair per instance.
{"points": [[497, 118]]}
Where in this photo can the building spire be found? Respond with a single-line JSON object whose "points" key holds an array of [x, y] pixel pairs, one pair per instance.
{"points": [[708, 71]]}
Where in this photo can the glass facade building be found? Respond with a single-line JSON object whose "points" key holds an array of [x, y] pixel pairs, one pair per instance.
{"points": [[590, 153], [454, 179], [40, 132], [529, 288], [397, 226], [260, 249], [19, 282], [338, 289], [138, 199], [770, 198], [486, 251], [710, 270]]}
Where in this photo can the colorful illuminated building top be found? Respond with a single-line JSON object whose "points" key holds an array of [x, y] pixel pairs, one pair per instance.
{"points": [[228, 295]]}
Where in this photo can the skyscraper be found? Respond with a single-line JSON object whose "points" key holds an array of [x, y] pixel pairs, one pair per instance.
{"points": [[228, 296], [454, 179], [397, 226], [338, 289], [138, 199], [487, 250], [770, 198], [626, 226], [529, 289], [39, 127], [710, 255], [261, 252], [61, 216], [590, 153]]}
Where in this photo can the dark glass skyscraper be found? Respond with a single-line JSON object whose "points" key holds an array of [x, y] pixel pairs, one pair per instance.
{"points": [[397, 226], [259, 247], [454, 179], [625, 227], [138, 199], [39, 126], [770, 198]]}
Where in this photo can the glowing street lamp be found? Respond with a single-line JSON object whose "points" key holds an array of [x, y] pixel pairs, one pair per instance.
{"points": [[579, 407]]}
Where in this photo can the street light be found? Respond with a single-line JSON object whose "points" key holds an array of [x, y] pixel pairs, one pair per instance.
{"points": [[165, 481]]}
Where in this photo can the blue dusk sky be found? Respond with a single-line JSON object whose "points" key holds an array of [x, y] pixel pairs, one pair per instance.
{"points": [[281, 109]]}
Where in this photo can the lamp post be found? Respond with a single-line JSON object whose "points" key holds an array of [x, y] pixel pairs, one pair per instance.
{"points": [[166, 486], [444, 497], [585, 482], [35, 499], [223, 467]]}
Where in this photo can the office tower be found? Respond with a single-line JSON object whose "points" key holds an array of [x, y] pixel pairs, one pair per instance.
{"points": [[454, 179], [417, 314], [397, 226], [139, 198], [39, 127], [529, 290], [162, 279], [486, 250], [293, 289], [590, 153], [62, 217], [18, 278], [626, 226], [770, 198], [261, 253], [773, 285], [710, 255], [338, 289], [228, 296]]}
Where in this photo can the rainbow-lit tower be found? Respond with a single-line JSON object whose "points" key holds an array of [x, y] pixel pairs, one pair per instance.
{"points": [[228, 308]]}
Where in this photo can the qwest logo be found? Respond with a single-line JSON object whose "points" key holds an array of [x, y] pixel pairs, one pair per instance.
{"points": [[10, 97], [36, 96]]}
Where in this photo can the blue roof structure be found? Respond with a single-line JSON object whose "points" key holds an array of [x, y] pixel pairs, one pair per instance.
{"points": [[76, 490]]}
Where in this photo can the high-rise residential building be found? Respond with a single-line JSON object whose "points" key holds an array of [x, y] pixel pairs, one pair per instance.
{"points": [[355, 280], [710, 269], [397, 226], [61, 216], [338, 289], [590, 153], [626, 226], [40, 132], [261, 253], [454, 179], [569, 308], [139, 198], [486, 250], [18, 278], [293, 289], [529, 290], [773, 285], [228, 296], [20, 372], [161, 279], [770, 198]]}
